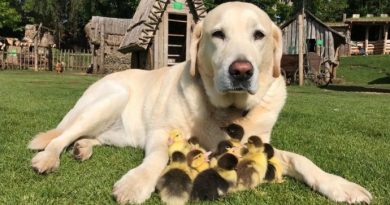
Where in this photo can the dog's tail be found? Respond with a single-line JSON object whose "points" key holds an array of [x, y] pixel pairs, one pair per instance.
{"points": [[42, 139]]}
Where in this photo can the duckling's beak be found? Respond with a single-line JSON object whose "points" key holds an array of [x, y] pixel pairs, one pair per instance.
{"points": [[206, 156], [235, 151], [170, 141]]}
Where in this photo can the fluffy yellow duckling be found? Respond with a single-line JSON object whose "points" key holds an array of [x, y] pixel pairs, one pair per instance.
{"points": [[194, 144], [175, 184], [215, 182], [198, 160], [235, 132], [274, 169], [225, 146], [177, 142], [252, 168]]}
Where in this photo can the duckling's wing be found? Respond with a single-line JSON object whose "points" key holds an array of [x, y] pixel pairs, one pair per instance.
{"points": [[270, 173], [209, 185], [246, 173], [175, 186]]}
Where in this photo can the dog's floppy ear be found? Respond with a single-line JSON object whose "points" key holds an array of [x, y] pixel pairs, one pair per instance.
{"points": [[278, 49], [196, 36]]}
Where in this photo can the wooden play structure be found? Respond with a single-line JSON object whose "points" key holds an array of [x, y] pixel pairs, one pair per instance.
{"points": [[105, 36], [310, 49], [160, 32], [364, 35], [368, 35], [33, 51]]}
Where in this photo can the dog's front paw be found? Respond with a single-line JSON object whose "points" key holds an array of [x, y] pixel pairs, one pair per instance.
{"points": [[45, 162], [134, 187], [82, 150], [342, 190]]}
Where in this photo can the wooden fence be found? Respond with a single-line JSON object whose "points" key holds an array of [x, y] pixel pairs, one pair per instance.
{"points": [[373, 47], [23, 58]]}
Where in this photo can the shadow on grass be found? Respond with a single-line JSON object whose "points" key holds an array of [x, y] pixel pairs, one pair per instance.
{"points": [[352, 88], [383, 80]]}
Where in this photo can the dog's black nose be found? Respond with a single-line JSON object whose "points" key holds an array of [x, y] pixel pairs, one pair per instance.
{"points": [[241, 70]]}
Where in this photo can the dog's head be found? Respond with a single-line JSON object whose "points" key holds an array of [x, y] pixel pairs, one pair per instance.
{"points": [[237, 51]]}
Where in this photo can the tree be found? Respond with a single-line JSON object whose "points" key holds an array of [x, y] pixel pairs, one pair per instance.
{"points": [[326, 10], [364, 7], [9, 17], [276, 9], [68, 17]]}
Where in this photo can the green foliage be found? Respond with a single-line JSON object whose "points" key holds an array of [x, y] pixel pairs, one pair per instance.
{"points": [[364, 7], [276, 9], [326, 10], [9, 17], [68, 17]]}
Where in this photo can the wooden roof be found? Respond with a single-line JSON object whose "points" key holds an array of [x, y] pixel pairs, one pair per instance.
{"points": [[308, 13], [114, 29], [146, 19], [336, 24], [369, 20]]}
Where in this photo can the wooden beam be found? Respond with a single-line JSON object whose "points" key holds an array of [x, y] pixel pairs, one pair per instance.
{"points": [[36, 37], [102, 42], [93, 60], [366, 40], [348, 39], [385, 36], [300, 47]]}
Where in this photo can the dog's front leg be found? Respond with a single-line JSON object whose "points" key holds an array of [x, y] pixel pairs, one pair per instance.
{"points": [[137, 185], [334, 187]]}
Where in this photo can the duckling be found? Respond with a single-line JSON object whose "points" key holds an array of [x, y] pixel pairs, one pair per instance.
{"points": [[224, 146], [235, 132], [274, 168], [175, 184], [177, 142], [252, 168], [226, 168], [215, 182], [198, 161], [194, 144]]}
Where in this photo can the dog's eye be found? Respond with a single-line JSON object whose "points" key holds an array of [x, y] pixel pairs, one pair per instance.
{"points": [[258, 35], [218, 34]]}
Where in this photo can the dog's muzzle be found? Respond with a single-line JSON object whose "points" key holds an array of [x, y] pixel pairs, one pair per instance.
{"points": [[240, 74]]}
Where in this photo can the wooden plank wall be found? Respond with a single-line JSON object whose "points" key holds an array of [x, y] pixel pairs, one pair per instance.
{"points": [[313, 30]]}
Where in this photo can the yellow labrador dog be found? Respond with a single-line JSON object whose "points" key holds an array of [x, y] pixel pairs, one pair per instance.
{"points": [[234, 69]]}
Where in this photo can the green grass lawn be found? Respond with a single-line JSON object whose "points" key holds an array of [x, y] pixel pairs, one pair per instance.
{"points": [[369, 71], [345, 133]]}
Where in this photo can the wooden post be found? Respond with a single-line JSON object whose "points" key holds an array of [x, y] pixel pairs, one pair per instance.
{"points": [[348, 39], [50, 58], [386, 30], [2, 60], [93, 60], [366, 40], [20, 58], [28, 57], [37, 34], [101, 69], [300, 47]]}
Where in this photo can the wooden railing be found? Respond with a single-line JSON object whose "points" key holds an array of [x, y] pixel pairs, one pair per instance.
{"points": [[23, 59], [374, 47]]}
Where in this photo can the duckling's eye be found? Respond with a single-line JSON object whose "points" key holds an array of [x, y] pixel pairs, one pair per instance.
{"points": [[258, 35], [218, 34]]}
